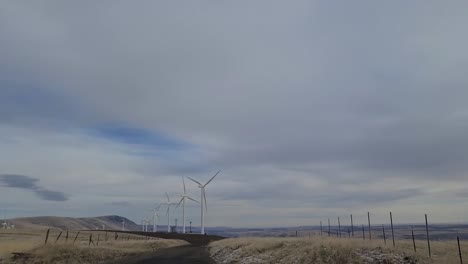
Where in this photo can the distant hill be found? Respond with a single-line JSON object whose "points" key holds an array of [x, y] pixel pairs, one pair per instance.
{"points": [[111, 222]]}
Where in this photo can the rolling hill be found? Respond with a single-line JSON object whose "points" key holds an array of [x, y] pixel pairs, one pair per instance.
{"points": [[111, 222]]}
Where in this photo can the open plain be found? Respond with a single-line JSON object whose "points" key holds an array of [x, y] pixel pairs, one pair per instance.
{"points": [[28, 246]]}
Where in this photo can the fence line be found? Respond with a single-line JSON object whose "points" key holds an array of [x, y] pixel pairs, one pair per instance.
{"points": [[88, 237], [414, 233], [418, 236]]}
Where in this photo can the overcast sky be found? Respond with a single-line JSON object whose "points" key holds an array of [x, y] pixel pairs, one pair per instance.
{"points": [[311, 109]]}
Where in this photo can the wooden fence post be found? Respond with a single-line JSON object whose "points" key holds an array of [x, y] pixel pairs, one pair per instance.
{"points": [[66, 237], [58, 237], [91, 239], [368, 220], [459, 250], [412, 234], [321, 229], [428, 241], [328, 226], [47, 237], [352, 226], [363, 235], [339, 226], [391, 223], [97, 242], [384, 238], [76, 237]]}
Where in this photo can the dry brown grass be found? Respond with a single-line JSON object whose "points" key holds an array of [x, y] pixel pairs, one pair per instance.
{"points": [[32, 243], [325, 250], [16, 240], [106, 251]]}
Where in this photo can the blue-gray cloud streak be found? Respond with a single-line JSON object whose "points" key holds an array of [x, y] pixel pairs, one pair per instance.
{"points": [[30, 183]]}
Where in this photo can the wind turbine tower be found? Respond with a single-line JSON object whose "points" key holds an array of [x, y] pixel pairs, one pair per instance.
{"points": [[203, 200], [167, 213], [182, 200], [155, 218]]}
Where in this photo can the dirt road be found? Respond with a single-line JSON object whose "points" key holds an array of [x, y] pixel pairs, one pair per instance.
{"points": [[190, 254]]}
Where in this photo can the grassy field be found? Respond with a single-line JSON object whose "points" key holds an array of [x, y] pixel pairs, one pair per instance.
{"points": [[235, 250], [32, 243], [329, 250]]}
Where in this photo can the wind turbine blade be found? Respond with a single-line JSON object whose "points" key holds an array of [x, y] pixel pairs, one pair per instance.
{"points": [[167, 195], [199, 184], [204, 197], [180, 202], [183, 182], [192, 199], [212, 178]]}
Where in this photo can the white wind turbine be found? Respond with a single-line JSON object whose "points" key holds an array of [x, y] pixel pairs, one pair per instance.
{"points": [[182, 200], [167, 213], [148, 220], [155, 218], [203, 200], [145, 221]]}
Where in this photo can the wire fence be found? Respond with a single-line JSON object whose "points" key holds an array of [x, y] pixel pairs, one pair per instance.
{"points": [[91, 238], [431, 240]]}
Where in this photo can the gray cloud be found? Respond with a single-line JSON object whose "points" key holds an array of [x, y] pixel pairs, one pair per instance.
{"points": [[51, 195], [19, 181], [286, 193], [295, 93], [29, 183]]}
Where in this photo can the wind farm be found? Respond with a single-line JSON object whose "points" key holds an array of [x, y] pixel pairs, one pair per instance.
{"points": [[172, 207]]}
